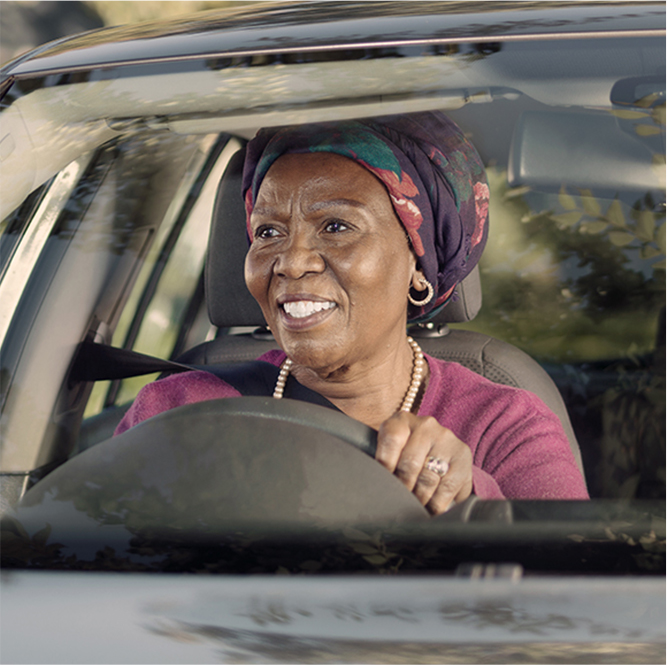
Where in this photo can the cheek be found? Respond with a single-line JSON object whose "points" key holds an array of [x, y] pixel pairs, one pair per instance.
{"points": [[256, 276], [379, 275]]}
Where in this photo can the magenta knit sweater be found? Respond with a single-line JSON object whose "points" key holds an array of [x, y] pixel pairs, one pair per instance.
{"points": [[518, 445]]}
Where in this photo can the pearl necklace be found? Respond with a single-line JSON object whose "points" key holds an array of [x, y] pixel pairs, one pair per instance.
{"points": [[410, 396]]}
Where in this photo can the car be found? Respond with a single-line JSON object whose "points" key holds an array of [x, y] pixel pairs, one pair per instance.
{"points": [[251, 530]]}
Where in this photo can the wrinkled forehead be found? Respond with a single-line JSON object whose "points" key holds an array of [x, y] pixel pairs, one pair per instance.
{"points": [[322, 182], [318, 172]]}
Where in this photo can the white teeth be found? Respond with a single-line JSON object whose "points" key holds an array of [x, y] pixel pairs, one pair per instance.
{"points": [[302, 308]]}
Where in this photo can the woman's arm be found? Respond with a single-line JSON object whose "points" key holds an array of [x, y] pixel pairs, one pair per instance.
{"points": [[497, 442], [528, 454]]}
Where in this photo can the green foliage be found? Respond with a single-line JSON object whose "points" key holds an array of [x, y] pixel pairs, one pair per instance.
{"points": [[582, 279]]}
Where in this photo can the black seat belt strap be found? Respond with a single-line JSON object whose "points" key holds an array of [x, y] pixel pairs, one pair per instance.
{"points": [[98, 362]]}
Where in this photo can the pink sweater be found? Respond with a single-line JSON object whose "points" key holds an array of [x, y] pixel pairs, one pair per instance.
{"points": [[518, 445]]}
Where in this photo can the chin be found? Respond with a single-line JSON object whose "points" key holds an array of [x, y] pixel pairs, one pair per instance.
{"points": [[316, 355]]}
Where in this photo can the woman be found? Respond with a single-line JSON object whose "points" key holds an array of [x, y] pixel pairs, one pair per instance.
{"points": [[356, 227]]}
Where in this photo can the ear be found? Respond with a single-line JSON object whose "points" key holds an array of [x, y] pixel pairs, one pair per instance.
{"points": [[415, 283]]}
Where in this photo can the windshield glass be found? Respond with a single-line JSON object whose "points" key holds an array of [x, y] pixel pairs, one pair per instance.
{"points": [[571, 133]]}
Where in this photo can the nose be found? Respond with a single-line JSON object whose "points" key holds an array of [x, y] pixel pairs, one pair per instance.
{"points": [[298, 257]]}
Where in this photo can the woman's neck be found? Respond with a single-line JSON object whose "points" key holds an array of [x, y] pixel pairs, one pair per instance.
{"points": [[369, 391]]}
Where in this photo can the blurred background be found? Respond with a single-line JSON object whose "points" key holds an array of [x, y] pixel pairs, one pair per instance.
{"points": [[26, 25]]}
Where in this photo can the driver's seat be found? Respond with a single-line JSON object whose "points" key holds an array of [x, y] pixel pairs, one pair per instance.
{"points": [[230, 305]]}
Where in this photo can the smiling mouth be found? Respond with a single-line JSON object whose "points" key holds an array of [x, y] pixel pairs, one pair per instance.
{"points": [[300, 309]]}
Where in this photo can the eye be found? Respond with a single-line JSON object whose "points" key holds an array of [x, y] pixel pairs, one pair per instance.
{"points": [[266, 232], [336, 226]]}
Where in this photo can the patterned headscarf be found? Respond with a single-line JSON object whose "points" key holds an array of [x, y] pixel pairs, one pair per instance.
{"points": [[433, 174]]}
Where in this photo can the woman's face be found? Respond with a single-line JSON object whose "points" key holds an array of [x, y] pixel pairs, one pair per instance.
{"points": [[329, 264]]}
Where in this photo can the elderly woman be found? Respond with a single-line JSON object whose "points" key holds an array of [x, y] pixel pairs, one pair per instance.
{"points": [[355, 228]]}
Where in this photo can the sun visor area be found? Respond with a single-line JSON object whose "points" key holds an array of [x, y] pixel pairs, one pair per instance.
{"points": [[598, 150]]}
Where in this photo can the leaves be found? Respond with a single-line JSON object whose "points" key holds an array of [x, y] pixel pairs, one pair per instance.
{"points": [[615, 214], [648, 100], [590, 203], [376, 559], [566, 200], [644, 229], [629, 115], [651, 543], [647, 130], [648, 252], [42, 536], [593, 227], [567, 218], [363, 548], [658, 115], [646, 225]]}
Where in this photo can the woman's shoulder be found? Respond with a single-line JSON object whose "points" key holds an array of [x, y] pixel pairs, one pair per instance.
{"points": [[511, 432], [444, 372], [172, 391], [452, 384], [180, 389]]}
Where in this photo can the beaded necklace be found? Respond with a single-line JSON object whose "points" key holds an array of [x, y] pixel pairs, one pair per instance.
{"points": [[410, 396]]}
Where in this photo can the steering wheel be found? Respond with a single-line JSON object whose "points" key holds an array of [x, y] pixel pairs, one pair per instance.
{"points": [[227, 464]]}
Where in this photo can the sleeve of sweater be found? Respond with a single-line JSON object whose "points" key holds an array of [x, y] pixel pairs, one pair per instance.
{"points": [[172, 391], [525, 450], [519, 448]]}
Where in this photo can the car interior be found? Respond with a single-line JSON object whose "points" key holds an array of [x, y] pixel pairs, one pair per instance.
{"points": [[230, 305]]}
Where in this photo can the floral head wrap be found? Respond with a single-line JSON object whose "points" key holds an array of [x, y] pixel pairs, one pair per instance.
{"points": [[433, 174]]}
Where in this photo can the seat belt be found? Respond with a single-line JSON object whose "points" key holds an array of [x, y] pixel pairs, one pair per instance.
{"points": [[99, 362]]}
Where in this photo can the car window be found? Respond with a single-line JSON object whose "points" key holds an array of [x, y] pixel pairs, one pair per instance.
{"points": [[94, 243], [152, 315], [13, 226], [26, 231], [574, 274], [163, 319]]}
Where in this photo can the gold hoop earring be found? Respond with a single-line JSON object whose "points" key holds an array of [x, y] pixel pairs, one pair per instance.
{"points": [[429, 297]]}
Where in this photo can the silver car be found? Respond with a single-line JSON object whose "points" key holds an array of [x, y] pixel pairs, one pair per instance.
{"points": [[253, 531]]}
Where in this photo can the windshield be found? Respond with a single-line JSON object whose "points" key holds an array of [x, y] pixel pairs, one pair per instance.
{"points": [[571, 133]]}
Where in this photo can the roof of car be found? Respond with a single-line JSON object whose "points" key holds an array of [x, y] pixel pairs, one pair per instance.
{"points": [[269, 27]]}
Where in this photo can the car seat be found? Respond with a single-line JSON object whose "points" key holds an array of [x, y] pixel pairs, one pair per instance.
{"points": [[231, 306]]}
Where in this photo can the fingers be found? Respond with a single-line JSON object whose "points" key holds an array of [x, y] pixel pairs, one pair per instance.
{"points": [[405, 444], [410, 467], [455, 486], [393, 435]]}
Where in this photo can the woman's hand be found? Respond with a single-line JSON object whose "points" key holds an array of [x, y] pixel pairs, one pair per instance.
{"points": [[405, 445]]}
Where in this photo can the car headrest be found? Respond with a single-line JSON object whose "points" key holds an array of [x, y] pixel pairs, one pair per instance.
{"points": [[229, 301]]}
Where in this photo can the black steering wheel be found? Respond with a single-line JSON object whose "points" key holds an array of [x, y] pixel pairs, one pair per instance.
{"points": [[227, 464]]}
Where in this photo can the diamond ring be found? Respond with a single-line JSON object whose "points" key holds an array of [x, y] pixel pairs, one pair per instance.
{"points": [[437, 465]]}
